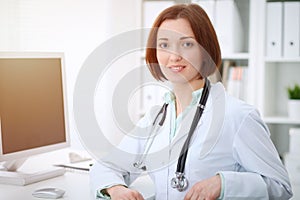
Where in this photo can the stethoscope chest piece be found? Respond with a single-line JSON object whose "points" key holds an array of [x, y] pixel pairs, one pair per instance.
{"points": [[179, 182]]}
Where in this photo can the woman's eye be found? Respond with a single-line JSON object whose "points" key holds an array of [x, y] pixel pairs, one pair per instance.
{"points": [[163, 45], [187, 44]]}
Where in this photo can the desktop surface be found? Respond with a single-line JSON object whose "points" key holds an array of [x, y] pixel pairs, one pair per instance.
{"points": [[74, 182], [75, 185]]}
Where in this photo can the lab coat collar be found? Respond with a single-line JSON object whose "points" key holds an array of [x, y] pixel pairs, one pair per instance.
{"points": [[171, 151], [169, 97], [216, 107]]}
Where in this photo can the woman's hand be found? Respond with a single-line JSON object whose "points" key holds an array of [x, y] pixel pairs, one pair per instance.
{"points": [[208, 189], [119, 192]]}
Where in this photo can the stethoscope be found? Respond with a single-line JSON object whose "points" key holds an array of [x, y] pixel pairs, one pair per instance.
{"points": [[179, 182]]}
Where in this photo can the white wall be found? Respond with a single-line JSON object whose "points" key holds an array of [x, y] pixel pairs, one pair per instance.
{"points": [[121, 16], [9, 24], [75, 27]]}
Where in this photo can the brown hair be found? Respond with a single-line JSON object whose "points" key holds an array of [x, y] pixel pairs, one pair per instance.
{"points": [[203, 30]]}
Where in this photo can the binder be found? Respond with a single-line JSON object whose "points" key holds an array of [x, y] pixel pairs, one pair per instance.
{"points": [[274, 29], [225, 71], [291, 30], [229, 27], [237, 81]]}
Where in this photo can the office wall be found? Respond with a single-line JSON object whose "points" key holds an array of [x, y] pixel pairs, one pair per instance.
{"points": [[75, 27], [9, 34]]}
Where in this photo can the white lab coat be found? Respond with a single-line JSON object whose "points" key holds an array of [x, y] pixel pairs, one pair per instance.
{"points": [[230, 139]]}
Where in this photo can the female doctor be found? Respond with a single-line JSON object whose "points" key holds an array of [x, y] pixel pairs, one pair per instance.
{"points": [[226, 154]]}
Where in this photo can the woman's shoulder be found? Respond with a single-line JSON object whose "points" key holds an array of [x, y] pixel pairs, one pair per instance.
{"points": [[238, 109], [233, 105]]}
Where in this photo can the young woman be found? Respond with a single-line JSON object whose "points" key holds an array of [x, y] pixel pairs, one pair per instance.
{"points": [[229, 155]]}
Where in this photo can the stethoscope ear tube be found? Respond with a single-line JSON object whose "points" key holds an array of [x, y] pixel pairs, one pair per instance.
{"points": [[179, 182], [139, 164], [184, 151], [162, 111], [198, 114]]}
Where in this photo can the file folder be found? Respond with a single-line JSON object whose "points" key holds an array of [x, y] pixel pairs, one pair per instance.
{"points": [[229, 27], [291, 30], [274, 23]]}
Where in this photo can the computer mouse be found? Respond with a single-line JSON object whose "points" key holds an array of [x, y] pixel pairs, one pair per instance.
{"points": [[49, 193]]}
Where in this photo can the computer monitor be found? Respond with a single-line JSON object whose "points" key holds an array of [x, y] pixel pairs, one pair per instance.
{"points": [[33, 112]]}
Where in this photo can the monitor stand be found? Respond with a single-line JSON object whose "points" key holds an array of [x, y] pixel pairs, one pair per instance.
{"points": [[9, 174]]}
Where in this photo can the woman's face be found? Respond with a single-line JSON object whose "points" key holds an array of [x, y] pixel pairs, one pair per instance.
{"points": [[178, 52]]}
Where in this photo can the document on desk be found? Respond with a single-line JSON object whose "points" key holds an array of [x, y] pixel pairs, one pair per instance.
{"points": [[19, 178]]}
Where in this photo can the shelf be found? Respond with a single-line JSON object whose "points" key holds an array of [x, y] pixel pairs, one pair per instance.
{"points": [[281, 120], [281, 60], [236, 56]]}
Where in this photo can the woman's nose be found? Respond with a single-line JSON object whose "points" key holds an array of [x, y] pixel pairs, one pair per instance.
{"points": [[175, 56]]}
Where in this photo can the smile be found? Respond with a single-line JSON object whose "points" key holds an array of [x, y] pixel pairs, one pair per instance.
{"points": [[176, 68]]}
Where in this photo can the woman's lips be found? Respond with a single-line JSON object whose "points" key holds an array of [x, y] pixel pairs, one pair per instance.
{"points": [[176, 68]]}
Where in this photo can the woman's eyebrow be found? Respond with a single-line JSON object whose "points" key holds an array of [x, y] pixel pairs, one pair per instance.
{"points": [[162, 38], [187, 37], [181, 38]]}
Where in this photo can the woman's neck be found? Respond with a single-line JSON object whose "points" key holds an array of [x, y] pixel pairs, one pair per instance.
{"points": [[183, 94]]}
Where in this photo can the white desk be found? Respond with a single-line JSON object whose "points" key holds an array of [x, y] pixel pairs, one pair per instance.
{"points": [[74, 182], [76, 185]]}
